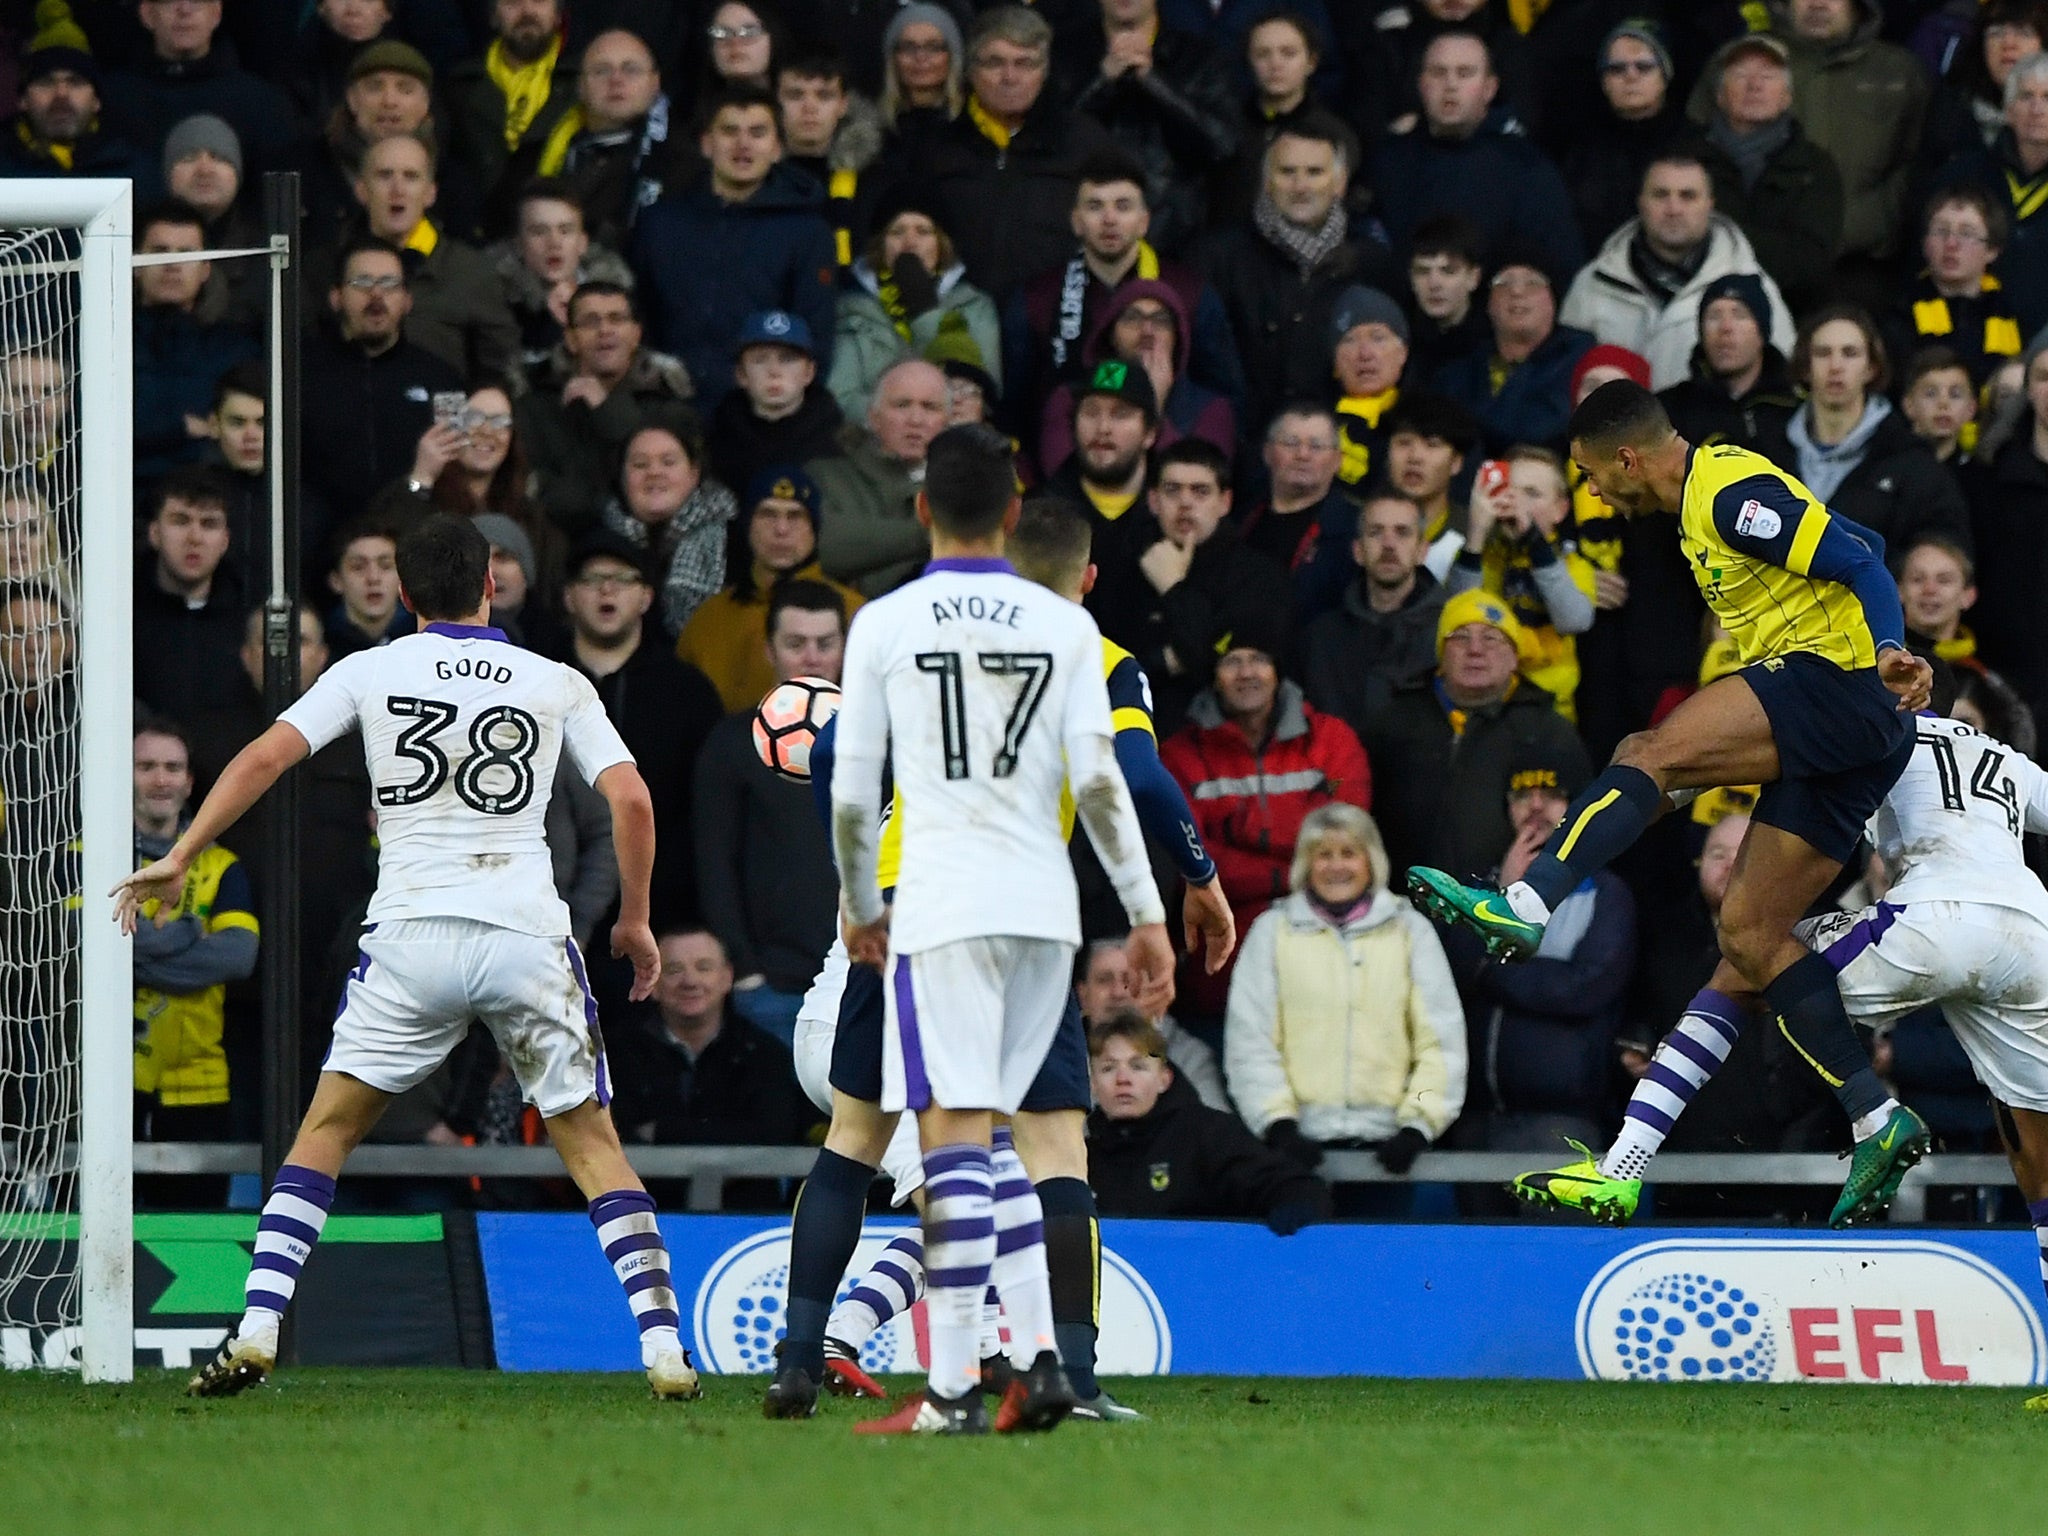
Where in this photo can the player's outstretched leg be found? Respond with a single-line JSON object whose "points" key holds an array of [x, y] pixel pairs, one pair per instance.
{"points": [[1608, 1188], [291, 1223], [824, 1231], [960, 1249], [1041, 1394], [892, 1285]]}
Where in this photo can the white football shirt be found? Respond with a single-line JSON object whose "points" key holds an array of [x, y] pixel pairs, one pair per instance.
{"points": [[985, 693], [1955, 819], [462, 731]]}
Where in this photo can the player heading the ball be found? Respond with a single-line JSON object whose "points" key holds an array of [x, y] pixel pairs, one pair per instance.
{"points": [[985, 693], [462, 730]]}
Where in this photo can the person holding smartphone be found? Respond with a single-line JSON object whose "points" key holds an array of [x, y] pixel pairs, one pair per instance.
{"points": [[1516, 549]]}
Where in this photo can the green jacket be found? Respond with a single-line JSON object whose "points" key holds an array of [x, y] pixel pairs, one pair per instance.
{"points": [[460, 315], [868, 344], [868, 533]]}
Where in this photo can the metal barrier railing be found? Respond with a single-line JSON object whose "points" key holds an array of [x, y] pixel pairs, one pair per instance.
{"points": [[708, 1168]]}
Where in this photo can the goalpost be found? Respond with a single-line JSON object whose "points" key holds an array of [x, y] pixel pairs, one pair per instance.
{"points": [[67, 823]]}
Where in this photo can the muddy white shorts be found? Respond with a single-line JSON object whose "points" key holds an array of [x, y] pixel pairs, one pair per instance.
{"points": [[1987, 966], [968, 1024], [817, 1024], [419, 982]]}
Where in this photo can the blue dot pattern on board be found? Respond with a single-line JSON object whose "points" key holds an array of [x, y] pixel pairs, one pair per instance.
{"points": [[1692, 1327], [758, 1324]]}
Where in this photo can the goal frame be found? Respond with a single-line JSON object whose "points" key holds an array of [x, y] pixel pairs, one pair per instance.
{"points": [[102, 212]]}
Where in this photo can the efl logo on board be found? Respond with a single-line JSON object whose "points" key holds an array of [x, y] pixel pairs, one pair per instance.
{"points": [[1870, 1310]]}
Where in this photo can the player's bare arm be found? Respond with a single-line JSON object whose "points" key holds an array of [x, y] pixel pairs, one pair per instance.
{"points": [[1209, 923], [1910, 677], [242, 783], [633, 838]]}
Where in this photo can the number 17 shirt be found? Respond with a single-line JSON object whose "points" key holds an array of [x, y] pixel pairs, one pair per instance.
{"points": [[462, 731], [981, 689]]}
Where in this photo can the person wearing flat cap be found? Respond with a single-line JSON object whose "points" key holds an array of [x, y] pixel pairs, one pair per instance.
{"points": [[58, 131], [1545, 1028], [1446, 747]]}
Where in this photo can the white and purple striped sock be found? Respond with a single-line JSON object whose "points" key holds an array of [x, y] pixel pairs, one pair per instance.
{"points": [[959, 1247], [1019, 1270], [892, 1284], [631, 1240], [291, 1223], [1690, 1055]]}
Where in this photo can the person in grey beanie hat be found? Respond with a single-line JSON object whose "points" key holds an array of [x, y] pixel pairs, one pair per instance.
{"points": [[1359, 305], [203, 131], [507, 538], [911, 79]]}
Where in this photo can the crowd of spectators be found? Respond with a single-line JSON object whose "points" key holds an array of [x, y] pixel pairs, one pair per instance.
{"points": [[1291, 300]]}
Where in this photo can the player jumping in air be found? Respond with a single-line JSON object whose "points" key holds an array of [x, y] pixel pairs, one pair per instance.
{"points": [[462, 732], [1819, 715], [984, 694], [839, 1063], [1964, 925]]}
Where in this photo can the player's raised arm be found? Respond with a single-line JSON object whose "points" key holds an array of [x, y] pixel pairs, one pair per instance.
{"points": [[241, 784], [860, 746], [1761, 516]]}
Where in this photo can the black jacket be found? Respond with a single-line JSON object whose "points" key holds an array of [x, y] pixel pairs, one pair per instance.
{"points": [[188, 659], [1186, 1159], [1495, 177], [1901, 490], [740, 444], [364, 415], [1281, 319], [764, 867], [741, 1091], [1705, 413], [1179, 118], [1605, 164], [1358, 656], [1793, 215], [665, 710], [155, 95], [1009, 210], [1442, 798], [2009, 515]]}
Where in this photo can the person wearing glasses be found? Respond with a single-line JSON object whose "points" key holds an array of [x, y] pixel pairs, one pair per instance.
{"points": [[923, 76], [1955, 302], [1781, 189], [742, 43], [1609, 145], [664, 709], [369, 391]]}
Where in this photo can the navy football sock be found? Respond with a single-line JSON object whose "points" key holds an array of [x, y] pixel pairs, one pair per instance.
{"points": [[1073, 1256], [1808, 1001], [823, 1232], [1601, 825]]}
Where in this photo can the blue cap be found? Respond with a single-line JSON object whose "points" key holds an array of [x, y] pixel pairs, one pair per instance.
{"points": [[776, 327]]}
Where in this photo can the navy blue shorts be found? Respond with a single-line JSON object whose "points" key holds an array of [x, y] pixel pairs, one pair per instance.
{"points": [[1842, 744], [1062, 1082]]}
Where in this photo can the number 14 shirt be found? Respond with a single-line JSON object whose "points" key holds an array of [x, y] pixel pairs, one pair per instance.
{"points": [[462, 731]]}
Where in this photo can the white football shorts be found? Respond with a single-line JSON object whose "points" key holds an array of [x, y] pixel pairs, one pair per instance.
{"points": [[817, 1022], [1987, 966], [421, 981], [968, 1023]]}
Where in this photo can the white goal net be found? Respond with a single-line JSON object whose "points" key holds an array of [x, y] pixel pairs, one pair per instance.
{"points": [[66, 1000]]}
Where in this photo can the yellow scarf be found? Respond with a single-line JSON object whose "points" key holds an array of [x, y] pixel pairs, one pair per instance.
{"points": [[61, 153], [556, 151], [1357, 460], [1526, 13], [525, 86], [424, 238], [1148, 263], [991, 130], [1962, 648]]}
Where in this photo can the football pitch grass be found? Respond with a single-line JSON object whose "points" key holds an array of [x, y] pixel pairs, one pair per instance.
{"points": [[388, 1452]]}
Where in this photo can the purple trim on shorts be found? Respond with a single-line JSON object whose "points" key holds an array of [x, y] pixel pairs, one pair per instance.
{"points": [[917, 1088], [1861, 935], [463, 631], [973, 565], [604, 1086]]}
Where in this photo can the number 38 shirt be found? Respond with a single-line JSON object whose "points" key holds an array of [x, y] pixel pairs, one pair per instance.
{"points": [[462, 731], [985, 693]]}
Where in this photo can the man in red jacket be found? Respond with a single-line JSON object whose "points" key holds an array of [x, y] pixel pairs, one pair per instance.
{"points": [[1255, 759]]}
